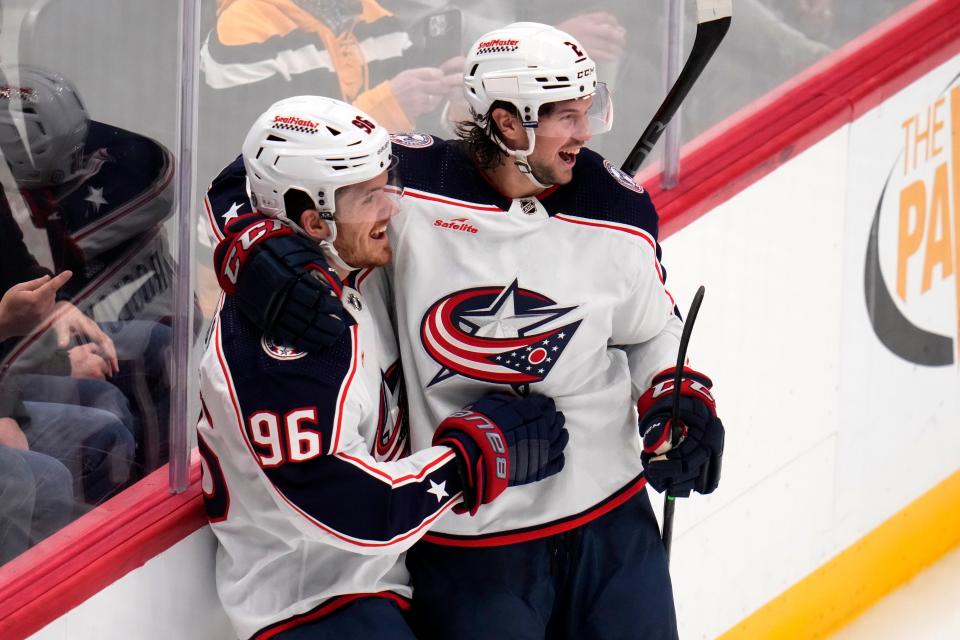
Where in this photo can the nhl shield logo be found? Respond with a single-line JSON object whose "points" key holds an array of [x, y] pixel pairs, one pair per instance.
{"points": [[412, 140], [622, 177], [279, 351], [354, 301], [529, 207], [496, 334]]}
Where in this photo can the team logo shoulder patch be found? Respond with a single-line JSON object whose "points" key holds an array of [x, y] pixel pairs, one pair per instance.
{"points": [[412, 140], [279, 351], [622, 177]]}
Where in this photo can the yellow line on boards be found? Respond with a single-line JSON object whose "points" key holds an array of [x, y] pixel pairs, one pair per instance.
{"points": [[858, 576]]}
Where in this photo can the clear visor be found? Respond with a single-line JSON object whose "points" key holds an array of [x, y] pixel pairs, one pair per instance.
{"points": [[393, 190], [373, 201], [578, 118]]}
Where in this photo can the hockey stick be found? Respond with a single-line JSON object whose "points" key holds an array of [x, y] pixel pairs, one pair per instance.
{"points": [[713, 21], [669, 501]]}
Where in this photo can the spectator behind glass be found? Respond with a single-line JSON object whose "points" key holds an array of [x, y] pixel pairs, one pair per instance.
{"points": [[54, 393], [99, 194], [258, 51], [35, 494], [36, 491]]}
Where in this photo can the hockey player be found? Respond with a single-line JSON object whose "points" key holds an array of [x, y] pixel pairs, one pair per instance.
{"points": [[523, 260], [307, 480]]}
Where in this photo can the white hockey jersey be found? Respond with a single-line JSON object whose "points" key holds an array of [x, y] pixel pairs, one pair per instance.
{"points": [[561, 294], [304, 476]]}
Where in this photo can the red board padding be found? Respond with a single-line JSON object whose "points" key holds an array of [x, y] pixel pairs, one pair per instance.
{"points": [[98, 549], [145, 520]]}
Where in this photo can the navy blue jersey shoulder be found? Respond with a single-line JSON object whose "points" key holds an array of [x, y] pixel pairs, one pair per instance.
{"points": [[442, 167], [227, 195], [272, 378], [600, 191]]}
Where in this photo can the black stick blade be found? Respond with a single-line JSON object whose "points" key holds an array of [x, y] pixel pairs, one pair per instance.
{"points": [[708, 38]]}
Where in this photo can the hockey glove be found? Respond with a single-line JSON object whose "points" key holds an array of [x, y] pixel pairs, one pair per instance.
{"points": [[281, 282], [692, 463], [503, 441]]}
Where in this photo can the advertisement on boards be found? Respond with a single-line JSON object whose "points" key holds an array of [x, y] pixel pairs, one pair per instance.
{"points": [[899, 432]]}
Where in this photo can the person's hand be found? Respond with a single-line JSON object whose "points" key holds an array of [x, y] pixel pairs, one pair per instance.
{"points": [[26, 304], [12, 436], [458, 108], [692, 461], [419, 91], [503, 441], [86, 362], [282, 283], [70, 321], [600, 34], [453, 78]]}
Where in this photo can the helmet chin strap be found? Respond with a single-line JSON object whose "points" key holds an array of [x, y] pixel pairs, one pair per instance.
{"points": [[330, 251], [520, 157], [326, 245]]}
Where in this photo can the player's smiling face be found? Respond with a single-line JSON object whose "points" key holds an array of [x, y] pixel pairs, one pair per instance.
{"points": [[560, 135], [363, 211]]}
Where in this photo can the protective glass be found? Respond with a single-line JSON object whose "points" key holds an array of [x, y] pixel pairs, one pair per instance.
{"points": [[570, 119]]}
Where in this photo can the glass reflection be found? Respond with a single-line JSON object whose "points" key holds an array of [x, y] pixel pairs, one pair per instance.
{"points": [[85, 276]]}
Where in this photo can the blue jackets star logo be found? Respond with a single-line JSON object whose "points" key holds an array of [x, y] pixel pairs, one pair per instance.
{"points": [[496, 334]]}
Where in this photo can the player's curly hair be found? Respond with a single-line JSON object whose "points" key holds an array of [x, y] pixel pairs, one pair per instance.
{"points": [[480, 131]]}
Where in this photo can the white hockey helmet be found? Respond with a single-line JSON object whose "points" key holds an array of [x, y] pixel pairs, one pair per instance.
{"points": [[313, 144], [43, 127], [528, 64]]}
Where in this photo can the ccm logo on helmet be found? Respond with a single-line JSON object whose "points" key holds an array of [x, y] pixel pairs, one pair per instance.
{"points": [[362, 123]]}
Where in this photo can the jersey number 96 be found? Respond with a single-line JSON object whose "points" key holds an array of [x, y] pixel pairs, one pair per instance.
{"points": [[277, 441]]}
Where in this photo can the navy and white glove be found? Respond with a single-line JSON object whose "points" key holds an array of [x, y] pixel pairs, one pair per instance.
{"points": [[503, 441], [282, 283], [692, 462]]}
